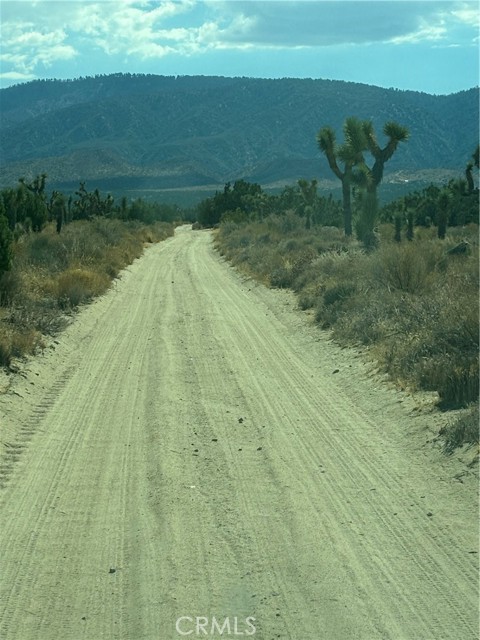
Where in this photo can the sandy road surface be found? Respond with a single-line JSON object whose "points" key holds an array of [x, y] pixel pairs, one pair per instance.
{"points": [[187, 450]]}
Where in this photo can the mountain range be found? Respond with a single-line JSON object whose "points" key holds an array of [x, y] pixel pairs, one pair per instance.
{"points": [[135, 132]]}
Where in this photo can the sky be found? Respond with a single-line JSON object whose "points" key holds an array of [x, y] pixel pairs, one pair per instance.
{"points": [[428, 45]]}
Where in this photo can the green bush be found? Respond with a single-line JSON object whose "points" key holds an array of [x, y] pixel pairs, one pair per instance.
{"points": [[338, 293], [5, 241]]}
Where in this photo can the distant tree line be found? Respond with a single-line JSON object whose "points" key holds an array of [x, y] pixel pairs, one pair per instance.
{"points": [[248, 201], [29, 207], [451, 205]]}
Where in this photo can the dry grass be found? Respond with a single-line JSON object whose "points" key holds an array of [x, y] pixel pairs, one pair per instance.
{"points": [[15, 343], [54, 273], [462, 431], [75, 286], [413, 304]]}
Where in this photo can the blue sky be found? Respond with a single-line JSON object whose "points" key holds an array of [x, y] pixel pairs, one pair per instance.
{"points": [[429, 45]]}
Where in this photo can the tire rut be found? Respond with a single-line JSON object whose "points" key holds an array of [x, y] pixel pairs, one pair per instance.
{"points": [[194, 455]]}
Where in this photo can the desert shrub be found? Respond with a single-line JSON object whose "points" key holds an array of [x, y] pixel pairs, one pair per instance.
{"points": [[5, 348], [462, 431], [331, 234], [161, 231], [281, 278], [288, 223], [402, 267], [15, 343], [429, 341], [450, 343], [264, 238], [52, 272], [111, 232], [291, 244], [456, 382], [75, 286], [292, 267], [10, 286], [309, 298], [6, 238], [25, 342], [338, 293], [37, 315], [335, 302], [46, 250]]}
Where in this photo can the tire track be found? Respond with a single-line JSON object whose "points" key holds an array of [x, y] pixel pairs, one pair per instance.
{"points": [[435, 559], [195, 456]]}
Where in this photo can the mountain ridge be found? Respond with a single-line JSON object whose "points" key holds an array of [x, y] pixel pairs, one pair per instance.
{"points": [[181, 131]]}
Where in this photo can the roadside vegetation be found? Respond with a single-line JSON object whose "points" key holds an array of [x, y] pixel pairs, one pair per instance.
{"points": [[407, 291], [56, 254]]}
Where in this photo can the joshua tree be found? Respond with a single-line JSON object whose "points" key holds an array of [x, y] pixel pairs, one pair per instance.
{"points": [[37, 186], [5, 241], [58, 209], [309, 194], [350, 153], [469, 169], [443, 204], [360, 138], [395, 133]]}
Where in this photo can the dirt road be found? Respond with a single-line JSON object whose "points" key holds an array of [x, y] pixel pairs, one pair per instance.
{"points": [[191, 448]]}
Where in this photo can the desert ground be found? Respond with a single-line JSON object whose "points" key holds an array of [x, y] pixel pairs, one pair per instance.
{"points": [[191, 448]]}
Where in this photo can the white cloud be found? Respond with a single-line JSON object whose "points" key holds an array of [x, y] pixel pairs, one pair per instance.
{"points": [[24, 48], [146, 30], [425, 32], [452, 21], [131, 28], [467, 13]]}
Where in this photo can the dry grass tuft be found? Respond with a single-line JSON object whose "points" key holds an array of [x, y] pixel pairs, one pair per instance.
{"points": [[75, 286]]}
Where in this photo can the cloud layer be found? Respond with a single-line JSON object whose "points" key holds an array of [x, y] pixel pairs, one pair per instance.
{"points": [[38, 35]]}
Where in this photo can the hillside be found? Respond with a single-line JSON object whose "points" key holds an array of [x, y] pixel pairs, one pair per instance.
{"points": [[172, 132]]}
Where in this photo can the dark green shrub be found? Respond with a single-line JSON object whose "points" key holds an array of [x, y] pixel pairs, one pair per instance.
{"points": [[338, 293], [5, 241], [308, 299], [398, 229], [281, 278], [10, 286]]}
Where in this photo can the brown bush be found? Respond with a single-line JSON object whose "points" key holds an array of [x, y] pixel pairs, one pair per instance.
{"points": [[75, 286]]}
